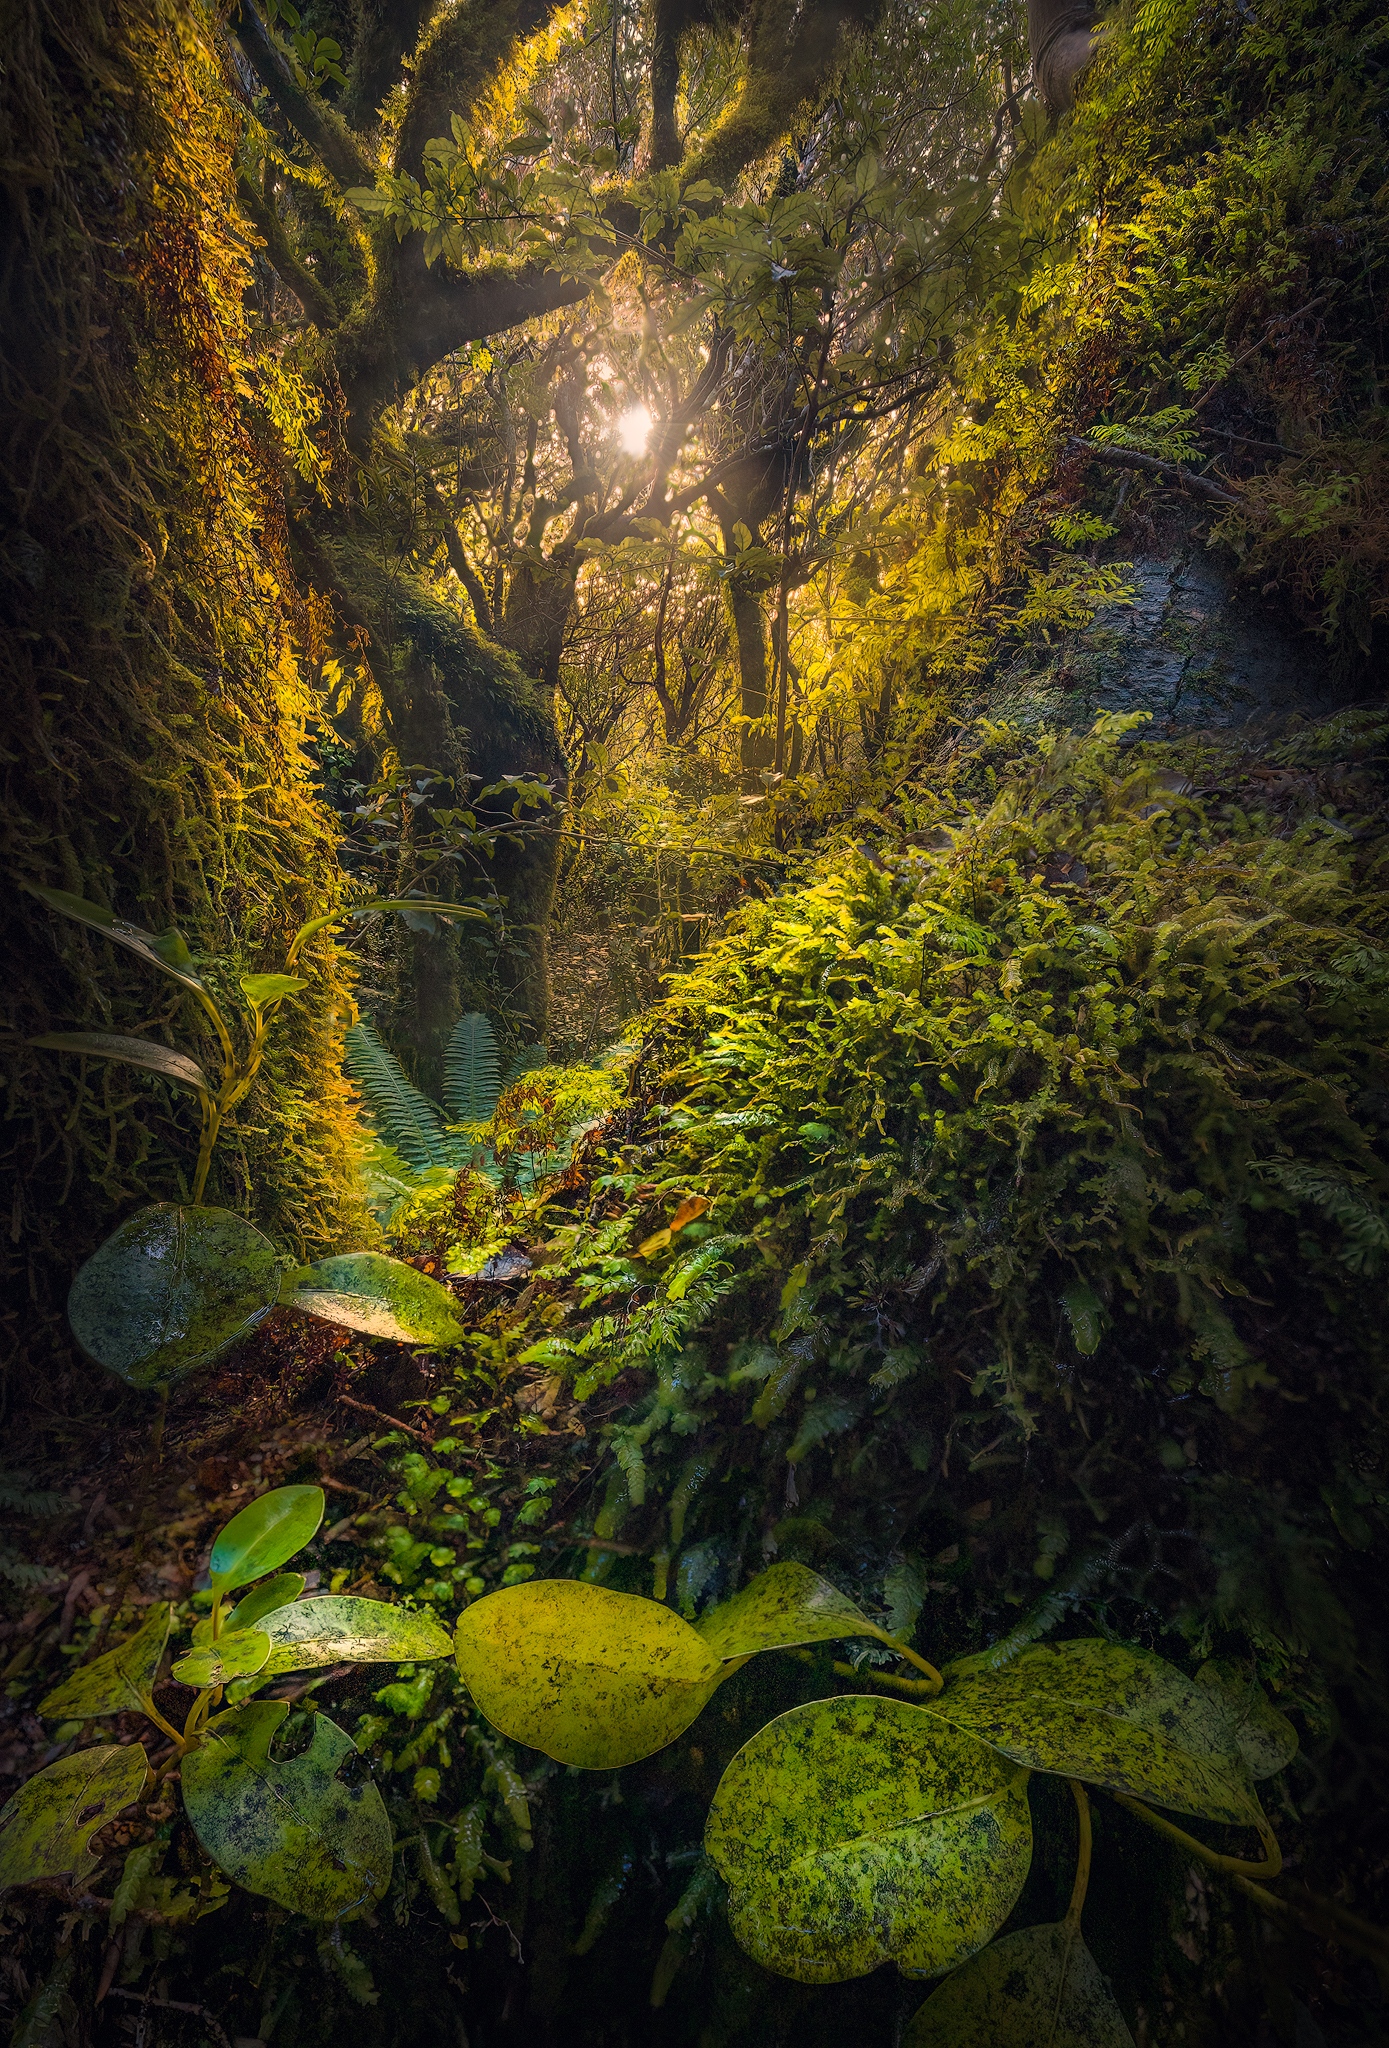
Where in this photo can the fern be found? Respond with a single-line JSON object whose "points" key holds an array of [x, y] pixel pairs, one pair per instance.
{"points": [[18, 1496], [527, 1061], [471, 1079], [408, 1120]]}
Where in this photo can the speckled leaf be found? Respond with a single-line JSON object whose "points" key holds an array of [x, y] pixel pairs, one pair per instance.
{"points": [[1039, 1988], [46, 1829], [237, 1653], [170, 1291], [294, 1832], [1265, 1738], [590, 1677], [261, 1600], [341, 1628], [121, 1682], [1110, 1716], [380, 1296], [263, 1535], [786, 1604], [858, 1831]]}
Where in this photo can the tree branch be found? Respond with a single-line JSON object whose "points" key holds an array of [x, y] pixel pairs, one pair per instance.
{"points": [[325, 131], [458, 560], [1152, 465], [305, 286]]}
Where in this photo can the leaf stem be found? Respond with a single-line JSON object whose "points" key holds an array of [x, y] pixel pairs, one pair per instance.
{"points": [[1081, 1885], [1233, 1866], [936, 1682]]}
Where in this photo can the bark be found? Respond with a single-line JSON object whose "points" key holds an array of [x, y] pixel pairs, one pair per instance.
{"points": [[1062, 37]]}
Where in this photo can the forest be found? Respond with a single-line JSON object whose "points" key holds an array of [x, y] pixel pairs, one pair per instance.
{"points": [[696, 1023]]}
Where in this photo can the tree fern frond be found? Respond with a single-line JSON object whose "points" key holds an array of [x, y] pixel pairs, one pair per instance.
{"points": [[526, 1062], [471, 1084], [407, 1120]]}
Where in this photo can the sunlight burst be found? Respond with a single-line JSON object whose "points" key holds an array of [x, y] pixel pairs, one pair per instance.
{"points": [[634, 430]]}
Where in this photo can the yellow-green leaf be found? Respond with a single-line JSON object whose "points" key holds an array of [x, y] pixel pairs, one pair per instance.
{"points": [[381, 1296], [238, 1653], [342, 1628], [1039, 1988], [786, 1604], [1110, 1716], [266, 1533], [298, 1832], [47, 1827], [120, 1682], [260, 1601], [1265, 1738], [858, 1831], [588, 1676]]}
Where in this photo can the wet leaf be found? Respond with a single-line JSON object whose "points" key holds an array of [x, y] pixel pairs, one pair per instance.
{"points": [[1039, 1988], [260, 1601], [172, 1290], [1265, 1738], [120, 1682], [857, 1831], [165, 950], [1110, 1716], [46, 1829], [135, 1052], [381, 1296], [265, 1533], [237, 1653], [294, 1832], [341, 1628], [786, 1604], [588, 1676]]}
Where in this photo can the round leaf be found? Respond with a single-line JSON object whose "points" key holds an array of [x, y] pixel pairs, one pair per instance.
{"points": [[859, 1831], [590, 1677], [238, 1653], [297, 1832], [120, 1682], [786, 1604], [264, 1535], [1265, 1738], [1039, 1988], [46, 1829], [380, 1296], [340, 1628], [1110, 1716], [172, 1290]]}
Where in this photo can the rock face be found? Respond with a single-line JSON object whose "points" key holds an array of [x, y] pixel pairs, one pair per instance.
{"points": [[1192, 649]]}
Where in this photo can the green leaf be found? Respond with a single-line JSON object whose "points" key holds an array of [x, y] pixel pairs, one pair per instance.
{"points": [[263, 989], [295, 1832], [588, 1676], [341, 1628], [1264, 1738], [381, 1296], [1085, 1314], [165, 950], [264, 1535], [786, 1604], [262, 1600], [170, 1291], [1039, 1988], [1110, 1716], [46, 1829], [237, 1653], [119, 1682], [406, 1119], [135, 1052], [858, 1831], [471, 1079]]}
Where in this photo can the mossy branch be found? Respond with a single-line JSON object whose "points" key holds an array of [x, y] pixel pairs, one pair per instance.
{"points": [[312, 297], [325, 131]]}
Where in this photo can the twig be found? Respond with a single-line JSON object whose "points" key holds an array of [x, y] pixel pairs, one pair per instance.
{"points": [[174, 2005], [365, 1409], [1152, 465], [1283, 320]]}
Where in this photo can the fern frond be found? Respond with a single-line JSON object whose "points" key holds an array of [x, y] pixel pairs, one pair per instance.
{"points": [[18, 1496], [408, 1120], [528, 1061], [471, 1081], [28, 1575]]}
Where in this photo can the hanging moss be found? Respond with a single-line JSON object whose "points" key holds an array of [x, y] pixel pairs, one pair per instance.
{"points": [[152, 758]]}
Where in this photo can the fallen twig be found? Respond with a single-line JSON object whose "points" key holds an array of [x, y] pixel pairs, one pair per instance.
{"points": [[365, 1408]]}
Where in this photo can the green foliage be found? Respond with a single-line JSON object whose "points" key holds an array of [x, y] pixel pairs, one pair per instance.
{"points": [[410, 1122], [1040, 1977], [472, 1079], [303, 1830], [383, 1297]]}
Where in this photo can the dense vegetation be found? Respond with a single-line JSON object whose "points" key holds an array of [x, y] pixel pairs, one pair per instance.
{"points": [[786, 1058]]}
